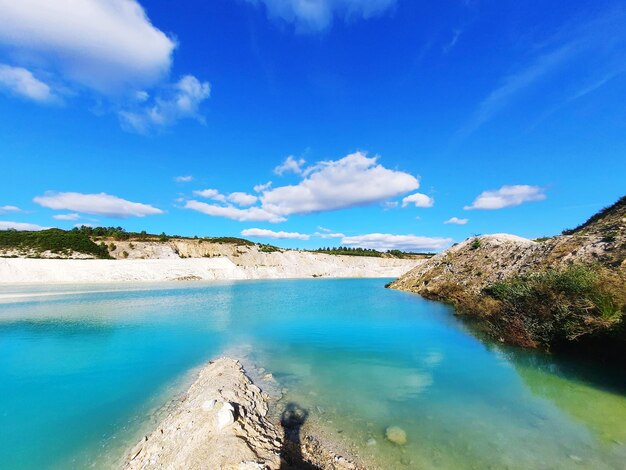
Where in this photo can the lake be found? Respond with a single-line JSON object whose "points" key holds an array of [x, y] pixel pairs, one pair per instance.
{"points": [[84, 372]]}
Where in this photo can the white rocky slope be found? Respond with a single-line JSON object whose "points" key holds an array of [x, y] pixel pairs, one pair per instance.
{"points": [[254, 265], [473, 264]]}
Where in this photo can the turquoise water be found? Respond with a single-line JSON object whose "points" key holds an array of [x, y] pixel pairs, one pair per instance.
{"points": [[82, 373]]}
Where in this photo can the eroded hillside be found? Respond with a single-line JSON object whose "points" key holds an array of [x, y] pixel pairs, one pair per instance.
{"points": [[574, 283]]}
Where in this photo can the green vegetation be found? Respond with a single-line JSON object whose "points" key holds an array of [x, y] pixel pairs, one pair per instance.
{"points": [[350, 251], [268, 248], [230, 241], [119, 233], [609, 237], [346, 250], [57, 241], [553, 306], [476, 244]]}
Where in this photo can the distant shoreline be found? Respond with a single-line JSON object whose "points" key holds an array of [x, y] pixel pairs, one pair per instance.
{"points": [[290, 265]]}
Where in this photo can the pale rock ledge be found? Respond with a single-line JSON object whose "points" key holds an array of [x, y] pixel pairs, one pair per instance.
{"points": [[220, 424]]}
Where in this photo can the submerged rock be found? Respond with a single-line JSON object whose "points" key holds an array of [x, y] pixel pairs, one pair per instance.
{"points": [[396, 434]]}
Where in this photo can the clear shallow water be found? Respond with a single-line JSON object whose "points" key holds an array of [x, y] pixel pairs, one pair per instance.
{"points": [[82, 372]]}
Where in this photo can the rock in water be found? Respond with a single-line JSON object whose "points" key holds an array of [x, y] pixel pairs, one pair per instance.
{"points": [[225, 416], [396, 435]]}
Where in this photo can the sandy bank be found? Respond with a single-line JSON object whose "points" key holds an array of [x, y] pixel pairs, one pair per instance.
{"points": [[270, 266]]}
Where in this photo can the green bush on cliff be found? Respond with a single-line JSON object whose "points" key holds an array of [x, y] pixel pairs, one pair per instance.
{"points": [[230, 241], [268, 248], [53, 240], [476, 243], [547, 307]]}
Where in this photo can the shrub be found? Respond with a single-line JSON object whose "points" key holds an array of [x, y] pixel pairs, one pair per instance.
{"points": [[268, 248], [476, 244], [547, 307], [54, 240], [124, 254], [230, 241], [609, 237], [349, 251]]}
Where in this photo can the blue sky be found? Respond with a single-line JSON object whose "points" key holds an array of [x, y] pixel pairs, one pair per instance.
{"points": [[376, 121]]}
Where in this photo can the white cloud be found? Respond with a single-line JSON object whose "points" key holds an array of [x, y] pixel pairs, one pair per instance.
{"points": [[98, 204], [6, 209], [586, 50], [354, 180], [179, 101], [72, 216], [183, 179], [210, 194], [259, 188], [6, 225], [456, 221], [242, 199], [22, 82], [507, 196], [327, 235], [419, 200], [456, 34], [263, 233], [250, 214], [512, 87], [386, 241], [106, 45], [317, 15], [290, 165]]}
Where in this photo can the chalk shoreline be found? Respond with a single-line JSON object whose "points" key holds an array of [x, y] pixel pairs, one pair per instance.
{"points": [[297, 265]]}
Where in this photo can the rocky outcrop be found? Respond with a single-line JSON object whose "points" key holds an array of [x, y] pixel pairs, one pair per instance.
{"points": [[472, 265], [478, 262], [564, 292], [220, 423]]}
